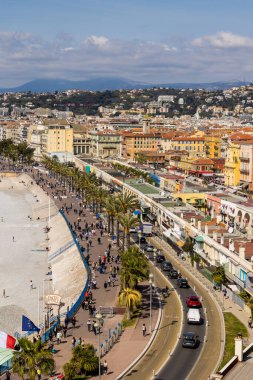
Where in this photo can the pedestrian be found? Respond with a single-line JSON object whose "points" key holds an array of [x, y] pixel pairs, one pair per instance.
{"points": [[50, 336], [89, 324], [74, 322], [8, 375], [105, 366], [39, 373], [31, 285], [83, 343], [55, 331], [64, 331], [13, 238], [250, 322], [144, 329], [79, 341], [73, 342], [59, 337], [105, 284], [3, 293]]}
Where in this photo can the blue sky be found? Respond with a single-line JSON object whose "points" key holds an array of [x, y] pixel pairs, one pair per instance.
{"points": [[147, 40]]}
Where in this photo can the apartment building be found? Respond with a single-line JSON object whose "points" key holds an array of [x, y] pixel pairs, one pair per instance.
{"points": [[134, 143], [246, 164], [232, 164], [105, 143], [213, 146], [195, 146], [57, 140]]}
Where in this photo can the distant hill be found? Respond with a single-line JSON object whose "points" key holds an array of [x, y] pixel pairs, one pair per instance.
{"points": [[102, 84]]}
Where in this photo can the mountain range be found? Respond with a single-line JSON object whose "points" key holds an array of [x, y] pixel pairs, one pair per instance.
{"points": [[113, 83]]}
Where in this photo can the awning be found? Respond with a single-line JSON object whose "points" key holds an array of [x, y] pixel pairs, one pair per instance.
{"points": [[5, 355], [199, 239], [234, 288], [207, 174]]}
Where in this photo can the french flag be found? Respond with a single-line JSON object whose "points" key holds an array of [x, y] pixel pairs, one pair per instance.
{"points": [[7, 341]]}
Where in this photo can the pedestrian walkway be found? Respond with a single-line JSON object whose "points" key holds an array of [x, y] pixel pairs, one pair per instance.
{"points": [[119, 357]]}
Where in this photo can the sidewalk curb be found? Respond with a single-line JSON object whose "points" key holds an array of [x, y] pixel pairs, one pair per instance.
{"points": [[122, 374]]}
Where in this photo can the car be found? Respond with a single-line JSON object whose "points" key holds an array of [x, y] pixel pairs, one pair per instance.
{"points": [[190, 340], [182, 283], [166, 266], [160, 259], [173, 274], [143, 240], [149, 248], [193, 301]]}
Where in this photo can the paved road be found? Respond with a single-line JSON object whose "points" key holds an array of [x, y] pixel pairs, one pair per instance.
{"points": [[167, 336], [210, 355]]}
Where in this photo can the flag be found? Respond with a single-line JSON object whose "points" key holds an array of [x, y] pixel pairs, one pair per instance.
{"points": [[28, 325], [7, 341]]}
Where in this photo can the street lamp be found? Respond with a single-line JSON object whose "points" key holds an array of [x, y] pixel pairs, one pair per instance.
{"points": [[139, 236], [151, 277], [155, 254], [98, 325]]}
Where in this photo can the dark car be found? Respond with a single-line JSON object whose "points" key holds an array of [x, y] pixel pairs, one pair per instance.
{"points": [[166, 266], [160, 259], [149, 248], [173, 274], [182, 283], [143, 240], [190, 340]]}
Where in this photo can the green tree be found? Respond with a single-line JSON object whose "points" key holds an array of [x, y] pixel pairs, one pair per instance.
{"points": [[128, 221], [130, 298], [134, 267], [31, 357], [83, 362], [219, 275]]}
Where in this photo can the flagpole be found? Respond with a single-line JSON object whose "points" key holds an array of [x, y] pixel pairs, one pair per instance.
{"points": [[38, 305]]}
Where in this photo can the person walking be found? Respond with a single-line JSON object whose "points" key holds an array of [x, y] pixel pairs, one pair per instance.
{"points": [[73, 342], [39, 373], [105, 366], [250, 322], [31, 285], [13, 239], [8, 375], [59, 337], [144, 329], [89, 324]]}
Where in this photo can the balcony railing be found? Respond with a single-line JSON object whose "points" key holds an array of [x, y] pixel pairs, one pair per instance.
{"points": [[244, 171], [244, 159]]}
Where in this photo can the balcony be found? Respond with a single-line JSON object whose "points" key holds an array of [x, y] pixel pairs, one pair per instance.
{"points": [[244, 171], [244, 159]]}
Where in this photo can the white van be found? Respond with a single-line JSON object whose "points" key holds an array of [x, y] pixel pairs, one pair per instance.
{"points": [[194, 317]]}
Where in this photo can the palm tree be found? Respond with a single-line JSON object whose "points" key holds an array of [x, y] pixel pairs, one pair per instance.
{"points": [[134, 267], [110, 209], [128, 202], [128, 222], [129, 298], [83, 362], [31, 357]]}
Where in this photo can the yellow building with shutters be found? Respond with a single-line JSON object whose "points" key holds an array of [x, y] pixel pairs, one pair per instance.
{"points": [[232, 164], [213, 146]]}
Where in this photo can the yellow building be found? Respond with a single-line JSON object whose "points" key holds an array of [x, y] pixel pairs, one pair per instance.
{"points": [[213, 146], [57, 140], [195, 146], [232, 165]]}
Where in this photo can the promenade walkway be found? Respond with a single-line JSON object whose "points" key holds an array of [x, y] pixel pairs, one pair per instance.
{"points": [[120, 356]]}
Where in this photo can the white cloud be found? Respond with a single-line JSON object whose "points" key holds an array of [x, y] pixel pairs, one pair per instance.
{"points": [[98, 41], [223, 40]]}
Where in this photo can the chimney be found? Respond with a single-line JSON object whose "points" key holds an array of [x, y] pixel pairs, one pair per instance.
{"points": [[206, 229], [222, 239], [242, 251]]}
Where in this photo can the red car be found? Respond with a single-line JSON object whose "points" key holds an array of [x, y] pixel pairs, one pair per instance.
{"points": [[193, 301]]}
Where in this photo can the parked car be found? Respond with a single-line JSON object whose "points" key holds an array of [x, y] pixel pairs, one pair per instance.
{"points": [[149, 248], [193, 301], [173, 274], [190, 340], [166, 266], [182, 283], [160, 258]]}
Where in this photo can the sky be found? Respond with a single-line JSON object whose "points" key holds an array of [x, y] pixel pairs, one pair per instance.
{"points": [[149, 41]]}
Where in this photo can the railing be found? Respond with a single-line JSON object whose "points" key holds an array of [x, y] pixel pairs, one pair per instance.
{"points": [[61, 250], [244, 159]]}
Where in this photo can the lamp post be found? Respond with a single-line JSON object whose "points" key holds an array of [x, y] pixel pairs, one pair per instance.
{"points": [[151, 277], [155, 254], [139, 236], [98, 325]]}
